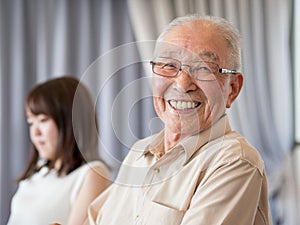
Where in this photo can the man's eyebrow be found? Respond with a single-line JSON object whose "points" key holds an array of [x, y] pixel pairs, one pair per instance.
{"points": [[169, 53], [207, 54], [203, 55]]}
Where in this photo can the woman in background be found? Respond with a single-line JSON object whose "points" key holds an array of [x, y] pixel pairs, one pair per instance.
{"points": [[63, 174]]}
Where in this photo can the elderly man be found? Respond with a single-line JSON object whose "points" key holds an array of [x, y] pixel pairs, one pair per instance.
{"points": [[197, 170]]}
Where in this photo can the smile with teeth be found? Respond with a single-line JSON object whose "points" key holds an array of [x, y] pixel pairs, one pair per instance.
{"points": [[183, 105]]}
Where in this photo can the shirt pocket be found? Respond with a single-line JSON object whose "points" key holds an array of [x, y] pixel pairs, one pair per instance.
{"points": [[159, 213]]}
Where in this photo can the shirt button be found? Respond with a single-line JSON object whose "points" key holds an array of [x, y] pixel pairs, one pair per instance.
{"points": [[156, 170]]}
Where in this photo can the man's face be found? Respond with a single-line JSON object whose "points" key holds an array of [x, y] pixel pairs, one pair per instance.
{"points": [[186, 105]]}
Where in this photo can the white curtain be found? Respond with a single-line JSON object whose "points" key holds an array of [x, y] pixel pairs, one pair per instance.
{"points": [[90, 39], [264, 110]]}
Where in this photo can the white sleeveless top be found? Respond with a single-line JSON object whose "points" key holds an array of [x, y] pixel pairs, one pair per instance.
{"points": [[44, 199]]}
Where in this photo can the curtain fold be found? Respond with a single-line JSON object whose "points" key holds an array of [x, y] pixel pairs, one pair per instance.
{"points": [[264, 110]]}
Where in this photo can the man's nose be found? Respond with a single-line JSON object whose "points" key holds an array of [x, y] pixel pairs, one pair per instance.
{"points": [[184, 80]]}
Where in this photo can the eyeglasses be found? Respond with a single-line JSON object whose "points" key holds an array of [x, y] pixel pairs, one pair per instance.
{"points": [[199, 70]]}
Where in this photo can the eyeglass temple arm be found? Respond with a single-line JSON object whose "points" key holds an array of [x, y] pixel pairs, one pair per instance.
{"points": [[221, 70]]}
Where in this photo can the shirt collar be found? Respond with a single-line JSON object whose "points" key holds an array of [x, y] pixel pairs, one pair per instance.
{"points": [[195, 142], [191, 144], [155, 144]]}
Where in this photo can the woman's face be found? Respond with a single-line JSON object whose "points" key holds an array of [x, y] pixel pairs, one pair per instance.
{"points": [[43, 134]]}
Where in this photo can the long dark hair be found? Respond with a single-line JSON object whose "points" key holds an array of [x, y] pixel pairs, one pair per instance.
{"points": [[69, 104]]}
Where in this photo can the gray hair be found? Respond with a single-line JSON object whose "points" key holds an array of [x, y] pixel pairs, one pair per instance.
{"points": [[224, 27]]}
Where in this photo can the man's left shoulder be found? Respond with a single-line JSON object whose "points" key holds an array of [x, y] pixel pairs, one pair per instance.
{"points": [[240, 146]]}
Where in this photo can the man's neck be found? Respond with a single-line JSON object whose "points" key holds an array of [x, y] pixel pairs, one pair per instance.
{"points": [[171, 139]]}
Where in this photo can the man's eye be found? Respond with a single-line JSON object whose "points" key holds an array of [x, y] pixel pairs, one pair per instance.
{"points": [[169, 66], [204, 69]]}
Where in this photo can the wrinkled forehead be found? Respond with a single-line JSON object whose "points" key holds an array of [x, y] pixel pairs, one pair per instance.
{"points": [[171, 50]]}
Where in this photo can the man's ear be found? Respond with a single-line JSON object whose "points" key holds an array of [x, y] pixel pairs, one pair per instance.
{"points": [[235, 87]]}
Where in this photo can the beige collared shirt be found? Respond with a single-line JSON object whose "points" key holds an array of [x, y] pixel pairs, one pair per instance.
{"points": [[213, 178]]}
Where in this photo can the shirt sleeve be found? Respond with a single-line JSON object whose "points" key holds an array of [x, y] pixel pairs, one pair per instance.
{"points": [[228, 195]]}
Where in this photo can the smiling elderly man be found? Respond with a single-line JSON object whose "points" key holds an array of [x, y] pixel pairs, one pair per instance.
{"points": [[197, 170]]}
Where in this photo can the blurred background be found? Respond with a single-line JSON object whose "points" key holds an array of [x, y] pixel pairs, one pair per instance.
{"points": [[108, 44]]}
